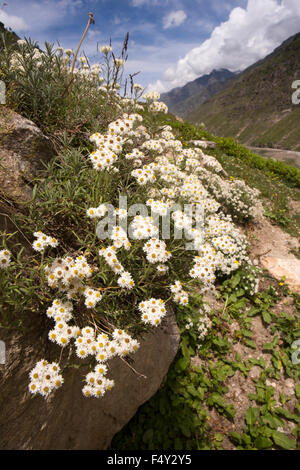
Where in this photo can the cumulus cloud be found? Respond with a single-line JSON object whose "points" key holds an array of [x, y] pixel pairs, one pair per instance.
{"points": [[248, 35], [16, 23], [175, 18]]}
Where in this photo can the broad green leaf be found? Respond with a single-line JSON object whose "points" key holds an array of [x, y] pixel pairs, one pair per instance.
{"points": [[263, 442], [251, 416], [266, 317], [287, 414], [283, 441]]}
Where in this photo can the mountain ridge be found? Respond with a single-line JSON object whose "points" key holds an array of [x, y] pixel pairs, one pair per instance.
{"points": [[256, 106], [183, 100]]}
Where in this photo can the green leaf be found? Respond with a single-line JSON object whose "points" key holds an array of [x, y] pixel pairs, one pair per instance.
{"points": [[272, 421], [236, 280], [287, 414], [251, 416], [192, 391], [283, 441], [182, 364], [266, 316], [235, 437], [262, 442], [250, 343], [253, 311]]}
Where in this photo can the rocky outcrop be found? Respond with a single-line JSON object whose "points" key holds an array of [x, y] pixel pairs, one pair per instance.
{"points": [[272, 248], [67, 420], [23, 149]]}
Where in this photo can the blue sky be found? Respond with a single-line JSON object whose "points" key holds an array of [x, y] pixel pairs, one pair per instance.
{"points": [[171, 41]]}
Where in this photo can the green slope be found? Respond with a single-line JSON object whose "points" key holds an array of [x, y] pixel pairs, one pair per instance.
{"points": [[256, 107]]}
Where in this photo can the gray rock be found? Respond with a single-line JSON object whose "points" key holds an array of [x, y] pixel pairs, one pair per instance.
{"points": [[204, 143], [23, 149], [67, 420]]}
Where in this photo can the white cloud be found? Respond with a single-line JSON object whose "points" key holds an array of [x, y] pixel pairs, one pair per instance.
{"points": [[40, 16], [16, 23], [248, 35], [175, 18]]}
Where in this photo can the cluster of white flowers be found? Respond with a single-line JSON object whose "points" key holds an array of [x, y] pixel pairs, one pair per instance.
{"points": [[105, 49], [5, 257], [144, 175], [110, 145], [212, 162], [43, 241], [119, 62], [153, 311], [156, 252], [151, 95], [158, 107], [162, 269], [69, 52], [97, 212], [204, 324], [44, 378], [170, 173], [92, 297], [110, 256], [159, 207], [62, 313], [68, 275], [119, 237], [134, 154], [138, 86], [167, 135], [125, 279], [154, 145], [180, 296], [189, 323], [234, 195], [250, 281], [143, 228], [104, 349]]}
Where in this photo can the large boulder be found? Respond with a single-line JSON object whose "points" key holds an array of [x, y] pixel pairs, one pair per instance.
{"points": [[23, 149], [67, 420]]}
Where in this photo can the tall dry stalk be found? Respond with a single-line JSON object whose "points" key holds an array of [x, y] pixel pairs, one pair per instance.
{"points": [[91, 21]]}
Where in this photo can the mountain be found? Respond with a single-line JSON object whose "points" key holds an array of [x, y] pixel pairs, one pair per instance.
{"points": [[256, 106], [183, 100]]}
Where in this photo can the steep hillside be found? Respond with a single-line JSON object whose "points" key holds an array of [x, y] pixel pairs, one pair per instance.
{"points": [[10, 36], [183, 100], [256, 107]]}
